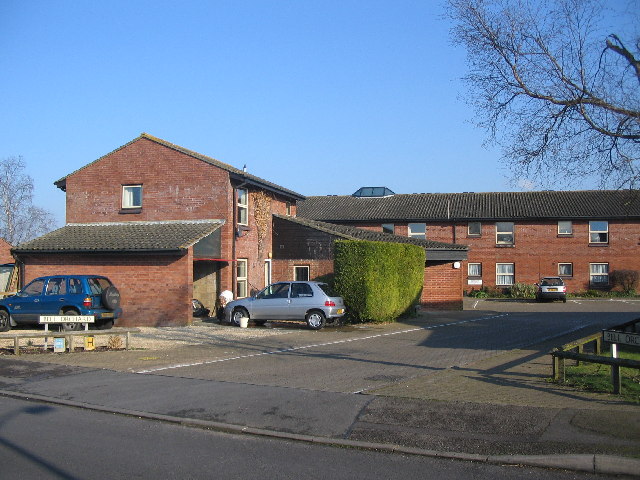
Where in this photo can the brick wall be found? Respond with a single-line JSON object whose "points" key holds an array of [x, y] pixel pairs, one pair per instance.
{"points": [[5, 252], [283, 270], [442, 287], [538, 249], [156, 290]]}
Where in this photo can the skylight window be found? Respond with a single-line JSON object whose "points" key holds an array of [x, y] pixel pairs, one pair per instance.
{"points": [[373, 192]]}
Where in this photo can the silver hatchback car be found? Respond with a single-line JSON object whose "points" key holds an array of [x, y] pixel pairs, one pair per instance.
{"points": [[309, 301]]}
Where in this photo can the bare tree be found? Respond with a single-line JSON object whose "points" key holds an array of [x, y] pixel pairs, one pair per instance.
{"points": [[20, 220], [555, 85]]}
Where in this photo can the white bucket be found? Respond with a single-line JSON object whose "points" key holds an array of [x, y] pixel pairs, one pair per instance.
{"points": [[244, 322]]}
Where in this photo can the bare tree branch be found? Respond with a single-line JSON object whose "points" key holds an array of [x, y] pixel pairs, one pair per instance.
{"points": [[553, 87]]}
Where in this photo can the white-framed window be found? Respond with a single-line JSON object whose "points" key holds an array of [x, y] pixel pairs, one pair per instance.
{"points": [[132, 196], [598, 231], [241, 278], [565, 269], [474, 269], [599, 274], [301, 273], [565, 227], [388, 228], [505, 274], [504, 233], [418, 230], [474, 229], [242, 199]]}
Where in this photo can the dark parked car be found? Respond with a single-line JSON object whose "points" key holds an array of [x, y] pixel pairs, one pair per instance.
{"points": [[63, 295], [309, 301], [551, 288]]}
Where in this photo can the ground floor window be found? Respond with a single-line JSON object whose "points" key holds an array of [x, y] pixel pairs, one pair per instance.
{"points": [[475, 270], [301, 273], [505, 274], [565, 269], [241, 278], [599, 274]]}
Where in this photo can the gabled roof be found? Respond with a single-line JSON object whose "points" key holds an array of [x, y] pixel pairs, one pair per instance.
{"points": [[353, 233], [587, 204], [235, 173], [167, 237]]}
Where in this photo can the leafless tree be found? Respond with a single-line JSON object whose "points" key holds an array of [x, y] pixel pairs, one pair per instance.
{"points": [[20, 220], [556, 86]]}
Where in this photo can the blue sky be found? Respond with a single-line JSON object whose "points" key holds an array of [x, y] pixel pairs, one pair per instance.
{"points": [[321, 97]]}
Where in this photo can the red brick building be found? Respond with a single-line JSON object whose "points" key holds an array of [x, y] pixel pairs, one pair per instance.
{"points": [[582, 236], [166, 224]]}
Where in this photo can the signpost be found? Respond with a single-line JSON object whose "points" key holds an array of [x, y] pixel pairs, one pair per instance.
{"points": [[59, 319], [624, 338], [616, 337]]}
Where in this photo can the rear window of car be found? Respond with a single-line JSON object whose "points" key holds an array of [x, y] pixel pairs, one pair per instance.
{"points": [[328, 290], [98, 285], [552, 282]]}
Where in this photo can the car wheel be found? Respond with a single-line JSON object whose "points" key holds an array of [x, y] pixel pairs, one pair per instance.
{"points": [[5, 323], [105, 325], [110, 298], [315, 320], [71, 327], [239, 313], [564, 299]]}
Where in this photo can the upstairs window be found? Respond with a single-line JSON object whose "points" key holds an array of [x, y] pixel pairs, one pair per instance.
{"points": [[388, 228], [131, 196], [418, 230], [599, 231], [474, 229], [504, 233], [242, 199], [565, 227]]}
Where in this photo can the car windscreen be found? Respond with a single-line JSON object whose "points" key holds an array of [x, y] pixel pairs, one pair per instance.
{"points": [[552, 282]]}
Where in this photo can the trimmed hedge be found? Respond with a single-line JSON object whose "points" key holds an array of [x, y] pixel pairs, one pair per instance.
{"points": [[379, 281]]}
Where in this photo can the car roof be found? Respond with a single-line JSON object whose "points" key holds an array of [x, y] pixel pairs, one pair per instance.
{"points": [[70, 276]]}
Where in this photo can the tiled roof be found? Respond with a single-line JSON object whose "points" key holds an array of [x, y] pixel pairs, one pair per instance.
{"points": [[168, 236], [235, 172], [587, 204], [353, 233]]}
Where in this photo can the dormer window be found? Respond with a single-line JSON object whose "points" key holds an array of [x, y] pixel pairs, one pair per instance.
{"points": [[131, 196]]}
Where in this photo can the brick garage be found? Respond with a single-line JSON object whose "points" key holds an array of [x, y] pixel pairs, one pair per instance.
{"points": [[151, 263]]}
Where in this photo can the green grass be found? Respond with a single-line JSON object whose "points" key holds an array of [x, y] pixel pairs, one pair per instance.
{"points": [[595, 377]]}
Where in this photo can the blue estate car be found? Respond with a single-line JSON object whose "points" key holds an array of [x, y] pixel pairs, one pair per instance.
{"points": [[63, 295]]}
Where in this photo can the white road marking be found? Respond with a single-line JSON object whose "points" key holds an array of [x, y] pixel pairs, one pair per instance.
{"points": [[305, 347]]}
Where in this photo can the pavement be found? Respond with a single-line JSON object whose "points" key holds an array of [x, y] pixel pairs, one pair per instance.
{"points": [[501, 409]]}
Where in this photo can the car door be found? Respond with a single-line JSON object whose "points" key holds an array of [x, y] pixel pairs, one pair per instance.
{"points": [[54, 296], [271, 303], [302, 300], [25, 305]]}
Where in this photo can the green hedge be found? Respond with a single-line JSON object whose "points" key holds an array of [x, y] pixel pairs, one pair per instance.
{"points": [[379, 281]]}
